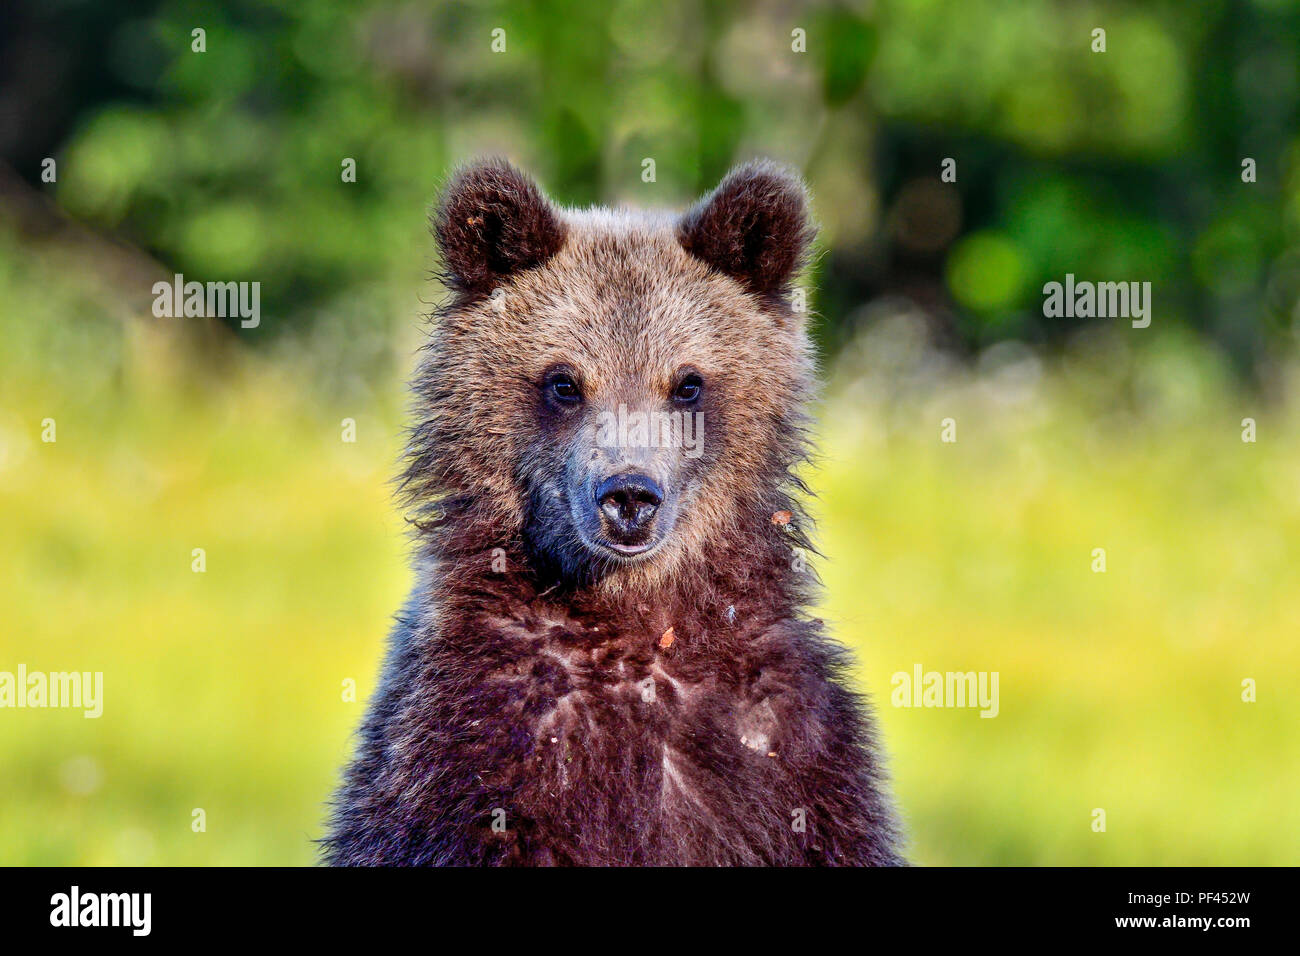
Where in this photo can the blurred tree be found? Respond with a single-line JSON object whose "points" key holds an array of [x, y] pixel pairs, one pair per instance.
{"points": [[1122, 165]]}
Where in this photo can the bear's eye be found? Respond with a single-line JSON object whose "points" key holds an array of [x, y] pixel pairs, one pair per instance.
{"points": [[688, 390], [563, 388]]}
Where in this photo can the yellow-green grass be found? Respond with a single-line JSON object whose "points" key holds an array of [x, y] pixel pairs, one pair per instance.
{"points": [[224, 690], [1119, 690]]}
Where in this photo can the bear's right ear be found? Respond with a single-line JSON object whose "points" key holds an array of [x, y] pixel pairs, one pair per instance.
{"points": [[493, 222]]}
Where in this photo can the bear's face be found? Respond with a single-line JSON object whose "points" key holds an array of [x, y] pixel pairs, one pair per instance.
{"points": [[624, 389]]}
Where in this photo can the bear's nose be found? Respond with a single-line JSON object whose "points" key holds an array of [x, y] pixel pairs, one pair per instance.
{"points": [[629, 501]]}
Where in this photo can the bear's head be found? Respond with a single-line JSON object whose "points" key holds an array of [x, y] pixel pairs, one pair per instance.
{"points": [[619, 393]]}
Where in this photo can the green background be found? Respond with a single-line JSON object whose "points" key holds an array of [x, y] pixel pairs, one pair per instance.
{"points": [[225, 690]]}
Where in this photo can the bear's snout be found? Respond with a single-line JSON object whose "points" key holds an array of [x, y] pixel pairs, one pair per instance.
{"points": [[628, 503]]}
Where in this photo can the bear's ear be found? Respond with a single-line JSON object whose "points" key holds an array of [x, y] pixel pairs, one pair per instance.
{"points": [[492, 222], [754, 227]]}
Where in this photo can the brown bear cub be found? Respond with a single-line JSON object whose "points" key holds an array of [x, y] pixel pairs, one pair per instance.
{"points": [[606, 659]]}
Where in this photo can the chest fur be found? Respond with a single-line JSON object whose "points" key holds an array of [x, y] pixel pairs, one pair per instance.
{"points": [[632, 732], [571, 685]]}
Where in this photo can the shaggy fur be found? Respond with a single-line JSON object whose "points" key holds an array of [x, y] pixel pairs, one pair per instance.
{"points": [[546, 700]]}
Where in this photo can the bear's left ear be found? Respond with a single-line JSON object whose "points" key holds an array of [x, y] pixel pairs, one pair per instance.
{"points": [[493, 222], [754, 227]]}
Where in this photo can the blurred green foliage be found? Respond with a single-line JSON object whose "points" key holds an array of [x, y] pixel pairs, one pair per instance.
{"points": [[1122, 165]]}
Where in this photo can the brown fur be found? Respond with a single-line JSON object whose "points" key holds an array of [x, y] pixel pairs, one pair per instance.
{"points": [[539, 685]]}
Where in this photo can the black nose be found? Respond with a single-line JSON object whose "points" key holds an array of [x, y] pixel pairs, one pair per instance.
{"points": [[629, 502]]}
